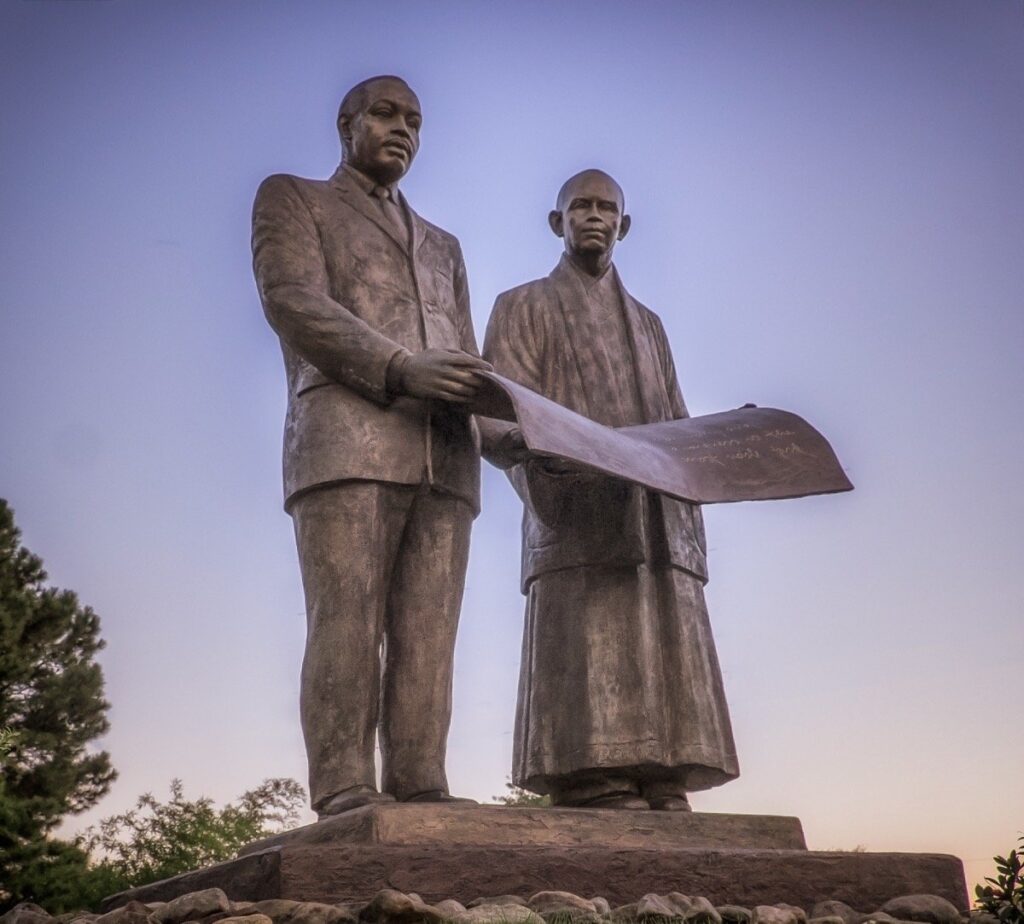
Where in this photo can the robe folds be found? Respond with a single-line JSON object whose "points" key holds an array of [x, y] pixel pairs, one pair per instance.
{"points": [[619, 672]]}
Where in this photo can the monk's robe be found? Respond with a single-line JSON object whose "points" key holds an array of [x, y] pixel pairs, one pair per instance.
{"points": [[619, 671]]}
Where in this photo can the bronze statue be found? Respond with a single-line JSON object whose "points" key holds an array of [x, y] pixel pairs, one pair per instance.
{"points": [[381, 465], [620, 697]]}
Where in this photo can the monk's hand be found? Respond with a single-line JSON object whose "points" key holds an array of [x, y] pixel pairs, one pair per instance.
{"points": [[446, 375], [510, 449], [555, 465]]}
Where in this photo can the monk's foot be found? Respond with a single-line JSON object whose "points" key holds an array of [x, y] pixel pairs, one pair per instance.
{"points": [[351, 798], [611, 800], [676, 803], [438, 795]]}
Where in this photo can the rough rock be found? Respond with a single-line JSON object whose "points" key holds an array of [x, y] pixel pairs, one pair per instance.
{"points": [[249, 919], [734, 914], [701, 911], [497, 900], [450, 908], [836, 910], [131, 913], [391, 907], [927, 909], [655, 908], [877, 917], [320, 913], [798, 913], [624, 914], [601, 906], [680, 904], [769, 914], [278, 909], [26, 913], [83, 916], [827, 919], [508, 913], [547, 902], [192, 907]]}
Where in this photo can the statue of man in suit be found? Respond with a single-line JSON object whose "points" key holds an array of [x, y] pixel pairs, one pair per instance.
{"points": [[381, 460], [621, 702]]}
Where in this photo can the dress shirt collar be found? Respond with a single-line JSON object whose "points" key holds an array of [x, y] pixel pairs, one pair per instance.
{"points": [[367, 185]]}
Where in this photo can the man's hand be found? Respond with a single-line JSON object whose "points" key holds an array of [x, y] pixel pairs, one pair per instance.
{"points": [[447, 375]]}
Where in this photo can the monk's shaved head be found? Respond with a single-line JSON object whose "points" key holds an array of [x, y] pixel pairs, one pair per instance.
{"points": [[590, 216], [569, 187]]}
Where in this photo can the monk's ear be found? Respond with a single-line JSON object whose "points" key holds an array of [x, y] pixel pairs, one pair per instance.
{"points": [[556, 223], [624, 226]]}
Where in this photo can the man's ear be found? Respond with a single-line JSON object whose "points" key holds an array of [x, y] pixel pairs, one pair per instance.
{"points": [[555, 221], [345, 130], [624, 226]]}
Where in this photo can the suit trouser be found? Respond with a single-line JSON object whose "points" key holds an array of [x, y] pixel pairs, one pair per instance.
{"points": [[382, 565]]}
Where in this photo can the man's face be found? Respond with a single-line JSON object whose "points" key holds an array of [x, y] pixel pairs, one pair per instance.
{"points": [[589, 216], [384, 136]]}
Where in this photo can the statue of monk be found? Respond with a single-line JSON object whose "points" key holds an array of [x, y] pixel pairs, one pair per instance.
{"points": [[621, 702]]}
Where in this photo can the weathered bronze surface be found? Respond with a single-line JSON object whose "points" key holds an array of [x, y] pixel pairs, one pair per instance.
{"points": [[621, 701], [381, 468], [748, 454]]}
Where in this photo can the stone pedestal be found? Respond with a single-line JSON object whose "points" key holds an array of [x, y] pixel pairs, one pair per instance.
{"points": [[468, 851]]}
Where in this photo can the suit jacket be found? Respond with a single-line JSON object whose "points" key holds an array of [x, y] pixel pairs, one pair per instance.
{"points": [[346, 294], [583, 519]]}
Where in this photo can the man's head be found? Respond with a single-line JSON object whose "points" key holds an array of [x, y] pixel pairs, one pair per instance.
{"points": [[379, 124], [590, 215]]}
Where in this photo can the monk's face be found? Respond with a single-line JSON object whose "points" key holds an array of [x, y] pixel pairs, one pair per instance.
{"points": [[589, 215], [383, 136]]}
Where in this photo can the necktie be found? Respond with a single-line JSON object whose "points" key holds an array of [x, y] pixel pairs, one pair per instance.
{"points": [[392, 211]]}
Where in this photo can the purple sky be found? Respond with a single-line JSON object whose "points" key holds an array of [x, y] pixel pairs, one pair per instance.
{"points": [[829, 218]]}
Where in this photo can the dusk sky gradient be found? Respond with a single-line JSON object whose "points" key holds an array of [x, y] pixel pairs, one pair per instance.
{"points": [[828, 216]]}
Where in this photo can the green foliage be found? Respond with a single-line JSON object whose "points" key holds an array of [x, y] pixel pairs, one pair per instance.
{"points": [[157, 839], [52, 873], [517, 796], [51, 707], [1004, 895]]}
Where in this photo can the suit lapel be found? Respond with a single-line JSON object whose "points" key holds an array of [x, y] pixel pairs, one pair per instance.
{"points": [[354, 196], [419, 226]]}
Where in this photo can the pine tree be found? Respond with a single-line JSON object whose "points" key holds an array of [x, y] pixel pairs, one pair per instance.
{"points": [[51, 707]]}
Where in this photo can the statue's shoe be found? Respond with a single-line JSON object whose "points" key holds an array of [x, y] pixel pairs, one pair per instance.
{"points": [[438, 795], [353, 797], [678, 803]]}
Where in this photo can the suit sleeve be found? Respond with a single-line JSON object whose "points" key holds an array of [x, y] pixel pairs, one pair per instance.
{"points": [[467, 337], [291, 276]]}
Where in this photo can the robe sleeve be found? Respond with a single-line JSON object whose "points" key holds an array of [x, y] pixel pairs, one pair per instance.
{"points": [[668, 369], [512, 345]]}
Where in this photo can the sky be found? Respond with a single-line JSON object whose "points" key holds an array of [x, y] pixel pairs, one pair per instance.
{"points": [[828, 216]]}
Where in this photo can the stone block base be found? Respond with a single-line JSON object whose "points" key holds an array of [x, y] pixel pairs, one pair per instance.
{"points": [[472, 852]]}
